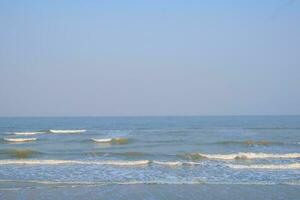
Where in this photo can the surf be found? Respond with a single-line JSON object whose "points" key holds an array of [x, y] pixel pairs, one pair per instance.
{"points": [[100, 183], [66, 131], [168, 163], [242, 155], [19, 139], [100, 162], [27, 133], [269, 166], [105, 140], [111, 140], [174, 163], [80, 162]]}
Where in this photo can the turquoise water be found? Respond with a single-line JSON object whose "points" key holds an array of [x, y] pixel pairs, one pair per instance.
{"points": [[113, 151]]}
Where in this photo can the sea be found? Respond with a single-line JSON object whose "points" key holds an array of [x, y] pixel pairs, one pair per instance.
{"points": [[205, 157]]}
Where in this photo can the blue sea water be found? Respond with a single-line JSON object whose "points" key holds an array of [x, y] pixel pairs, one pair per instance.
{"points": [[43, 153]]}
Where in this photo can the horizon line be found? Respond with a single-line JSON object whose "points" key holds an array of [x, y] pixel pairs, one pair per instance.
{"points": [[223, 115]]}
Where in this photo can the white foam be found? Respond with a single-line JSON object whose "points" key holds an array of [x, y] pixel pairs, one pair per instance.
{"points": [[27, 133], [127, 163], [67, 131], [104, 140], [250, 155], [103, 183], [192, 163], [19, 139], [61, 162], [168, 163], [111, 140], [263, 166], [175, 163]]}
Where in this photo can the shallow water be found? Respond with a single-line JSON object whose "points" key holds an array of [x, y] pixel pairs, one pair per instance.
{"points": [[112, 151], [141, 191]]}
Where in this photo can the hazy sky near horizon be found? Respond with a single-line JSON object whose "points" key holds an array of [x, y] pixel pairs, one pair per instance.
{"points": [[67, 58]]}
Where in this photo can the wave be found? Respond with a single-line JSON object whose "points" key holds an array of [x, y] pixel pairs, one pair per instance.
{"points": [[62, 162], [66, 131], [168, 163], [241, 155], [28, 133], [106, 140], [175, 163], [270, 166], [136, 182], [19, 139], [19, 153], [111, 140], [102, 162], [74, 183]]}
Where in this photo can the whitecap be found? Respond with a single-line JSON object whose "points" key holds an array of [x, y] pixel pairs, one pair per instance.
{"points": [[111, 140], [61, 162], [104, 140], [159, 182], [267, 166], [27, 133], [248, 155], [66, 131], [168, 163], [19, 139]]}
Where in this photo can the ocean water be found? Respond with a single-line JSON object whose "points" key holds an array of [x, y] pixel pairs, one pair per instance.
{"points": [[162, 157]]}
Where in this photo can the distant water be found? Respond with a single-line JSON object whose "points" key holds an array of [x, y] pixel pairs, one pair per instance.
{"points": [[98, 152]]}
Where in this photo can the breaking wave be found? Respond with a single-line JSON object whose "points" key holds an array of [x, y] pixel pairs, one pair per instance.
{"points": [[79, 183], [111, 140], [102, 162], [106, 140], [168, 163], [241, 155], [175, 163], [62, 162], [194, 181], [19, 139], [66, 131], [270, 166], [28, 133]]}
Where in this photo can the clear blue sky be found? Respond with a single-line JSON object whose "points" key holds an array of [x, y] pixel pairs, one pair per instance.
{"points": [[68, 58]]}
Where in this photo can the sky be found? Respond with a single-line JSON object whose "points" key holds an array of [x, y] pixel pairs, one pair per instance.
{"points": [[142, 57]]}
